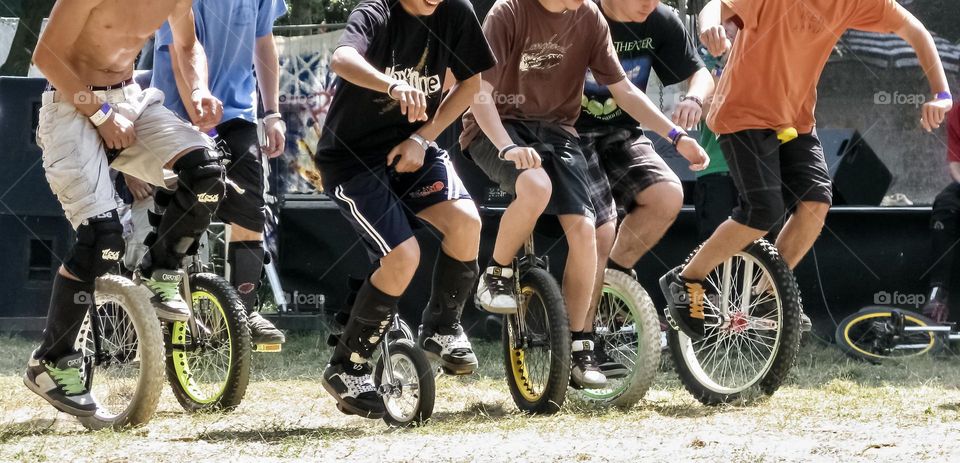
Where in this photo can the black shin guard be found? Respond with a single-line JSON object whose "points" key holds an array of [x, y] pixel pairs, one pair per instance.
{"points": [[452, 282], [200, 189], [369, 320], [69, 303], [246, 267]]}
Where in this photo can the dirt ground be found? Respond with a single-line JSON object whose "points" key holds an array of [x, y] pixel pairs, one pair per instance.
{"points": [[831, 409]]}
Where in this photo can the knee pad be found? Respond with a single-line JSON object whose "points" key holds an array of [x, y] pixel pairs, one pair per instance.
{"points": [[99, 247], [201, 184]]}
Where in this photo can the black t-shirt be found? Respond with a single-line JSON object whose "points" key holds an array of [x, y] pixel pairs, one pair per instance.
{"points": [[659, 43], [362, 125]]}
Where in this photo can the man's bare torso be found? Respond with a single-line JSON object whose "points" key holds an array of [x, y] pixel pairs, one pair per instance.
{"points": [[106, 50]]}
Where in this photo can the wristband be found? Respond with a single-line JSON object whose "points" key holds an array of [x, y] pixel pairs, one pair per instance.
{"points": [[100, 117], [694, 99], [420, 140], [271, 115], [503, 152], [392, 86], [675, 134], [943, 96]]}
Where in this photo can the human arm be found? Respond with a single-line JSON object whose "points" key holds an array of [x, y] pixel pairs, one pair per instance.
{"points": [[267, 64], [639, 106], [190, 68], [712, 34], [914, 33]]}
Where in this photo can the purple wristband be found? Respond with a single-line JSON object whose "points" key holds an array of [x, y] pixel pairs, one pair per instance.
{"points": [[675, 134], [943, 96]]}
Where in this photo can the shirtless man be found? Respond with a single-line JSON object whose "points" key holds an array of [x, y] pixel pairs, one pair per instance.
{"points": [[93, 118]]}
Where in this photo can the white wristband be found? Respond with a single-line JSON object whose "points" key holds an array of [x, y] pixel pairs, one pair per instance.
{"points": [[102, 115]]}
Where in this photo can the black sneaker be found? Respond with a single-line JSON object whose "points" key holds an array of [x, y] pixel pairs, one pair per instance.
{"points": [[495, 291], [61, 383], [610, 368], [685, 301], [262, 331], [451, 348], [354, 389], [584, 371]]}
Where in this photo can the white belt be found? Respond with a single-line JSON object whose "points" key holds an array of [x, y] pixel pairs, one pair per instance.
{"points": [[114, 96]]}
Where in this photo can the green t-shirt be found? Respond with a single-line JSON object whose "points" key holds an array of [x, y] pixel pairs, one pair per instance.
{"points": [[710, 144]]}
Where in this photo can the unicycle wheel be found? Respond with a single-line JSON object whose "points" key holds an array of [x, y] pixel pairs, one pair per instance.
{"points": [[409, 398]]}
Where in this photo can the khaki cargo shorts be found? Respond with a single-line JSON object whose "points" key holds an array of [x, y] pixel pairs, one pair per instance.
{"points": [[75, 161]]}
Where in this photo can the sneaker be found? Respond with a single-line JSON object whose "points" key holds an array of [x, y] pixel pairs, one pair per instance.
{"points": [[167, 301], [685, 300], [495, 292], [451, 348], [262, 331], [806, 325], [354, 389], [61, 383], [584, 371], [610, 368]]}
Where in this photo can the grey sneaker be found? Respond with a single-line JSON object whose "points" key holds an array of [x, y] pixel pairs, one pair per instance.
{"points": [[61, 383], [165, 286], [451, 347], [262, 331]]}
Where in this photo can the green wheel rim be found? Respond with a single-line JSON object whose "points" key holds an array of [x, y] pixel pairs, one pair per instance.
{"points": [[184, 361], [628, 308]]}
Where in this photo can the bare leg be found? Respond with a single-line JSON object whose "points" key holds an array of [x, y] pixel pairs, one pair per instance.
{"points": [[397, 268], [801, 231], [605, 237], [533, 193], [657, 207], [581, 268], [730, 238], [459, 222]]}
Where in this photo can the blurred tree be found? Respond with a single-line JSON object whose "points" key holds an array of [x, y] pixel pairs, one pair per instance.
{"points": [[21, 50]]}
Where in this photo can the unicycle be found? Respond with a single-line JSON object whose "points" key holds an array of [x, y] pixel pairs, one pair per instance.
{"points": [[536, 340], [208, 360], [123, 355], [752, 317], [878, 333], [404, 378], [627, 329]]}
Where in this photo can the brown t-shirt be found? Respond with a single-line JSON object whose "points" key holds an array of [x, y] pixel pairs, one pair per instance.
{"points": [[542, 59], [770, 81]]}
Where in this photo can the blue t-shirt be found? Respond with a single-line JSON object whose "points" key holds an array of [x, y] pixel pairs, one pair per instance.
{"points": [[228, 30]]}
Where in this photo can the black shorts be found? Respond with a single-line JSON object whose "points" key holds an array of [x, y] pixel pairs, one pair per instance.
{"points": [[243, 204], [772, 177], [563, 161], [382, 205]]}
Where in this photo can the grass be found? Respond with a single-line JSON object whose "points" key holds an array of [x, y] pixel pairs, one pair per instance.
{"points": [[831, 409]]}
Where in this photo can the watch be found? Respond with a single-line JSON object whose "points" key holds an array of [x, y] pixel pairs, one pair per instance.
{"points": [[420, 141]]}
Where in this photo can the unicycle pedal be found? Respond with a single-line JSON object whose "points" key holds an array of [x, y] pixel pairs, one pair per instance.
{"points": [[270, 348]]}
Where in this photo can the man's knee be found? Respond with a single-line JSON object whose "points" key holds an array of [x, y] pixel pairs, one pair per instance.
{"points": [[463, 220], [201, 184], [580, 232], [404, 258], [661, 201], [534, 185], [99, 247], [606, 235]]}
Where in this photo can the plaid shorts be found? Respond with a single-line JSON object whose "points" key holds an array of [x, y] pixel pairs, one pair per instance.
{"points": [[598, 187], [630, 162]]}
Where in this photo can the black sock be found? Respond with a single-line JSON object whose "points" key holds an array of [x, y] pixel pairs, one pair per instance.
{"points": [[615, 266], [369, 319], [246, 267], [69, 302], [580, 336], [452, 282], [493, 263]]}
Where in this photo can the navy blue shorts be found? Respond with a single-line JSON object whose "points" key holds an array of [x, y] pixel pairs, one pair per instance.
{"points": [[382, 205]]}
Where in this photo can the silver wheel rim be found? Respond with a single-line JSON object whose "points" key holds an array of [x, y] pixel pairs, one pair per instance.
{"points": [[403, 405], [730, 358], [616, 331]]}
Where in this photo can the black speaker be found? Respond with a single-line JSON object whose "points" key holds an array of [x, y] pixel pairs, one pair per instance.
{"points": [[860, 178], [36, 236]]}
